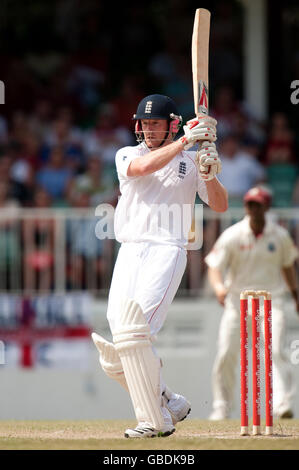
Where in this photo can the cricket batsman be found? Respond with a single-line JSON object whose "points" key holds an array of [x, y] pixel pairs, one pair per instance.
{"points": [[158, 172]]}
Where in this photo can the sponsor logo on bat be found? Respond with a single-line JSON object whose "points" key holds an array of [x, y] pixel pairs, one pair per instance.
{"points": [[202, 98]]}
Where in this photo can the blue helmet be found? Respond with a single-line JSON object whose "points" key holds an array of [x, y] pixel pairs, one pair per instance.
{"points": [[157, 107]]}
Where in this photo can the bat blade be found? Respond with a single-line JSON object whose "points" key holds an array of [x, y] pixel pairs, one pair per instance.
{"points": [[200, 60]]}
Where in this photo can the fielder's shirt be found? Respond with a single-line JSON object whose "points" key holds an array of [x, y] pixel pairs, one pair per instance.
{"points": [[253, 262], [157, 207]]}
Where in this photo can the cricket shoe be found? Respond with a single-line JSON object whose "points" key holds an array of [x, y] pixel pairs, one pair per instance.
{"points": [[144, 430], [284, 412], [177, 405], [218, 414], [288, 414]]}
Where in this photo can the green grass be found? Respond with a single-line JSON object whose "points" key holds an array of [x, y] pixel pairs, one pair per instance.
{"points": [[108, 435]]}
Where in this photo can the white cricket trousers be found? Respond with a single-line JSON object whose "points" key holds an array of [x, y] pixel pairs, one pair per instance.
{"points": [[150, 274], [228, 353]]}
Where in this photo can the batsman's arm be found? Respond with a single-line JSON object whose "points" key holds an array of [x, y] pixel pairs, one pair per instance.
{"points": [[216, 280], [217, 194], [154, 160], [194, 130]]}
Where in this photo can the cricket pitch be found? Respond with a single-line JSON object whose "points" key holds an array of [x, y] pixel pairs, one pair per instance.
{"points": [[108, 435]]}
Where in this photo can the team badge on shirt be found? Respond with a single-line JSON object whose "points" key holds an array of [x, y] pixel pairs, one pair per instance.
{"points": [[271, 247], [182, 169]]}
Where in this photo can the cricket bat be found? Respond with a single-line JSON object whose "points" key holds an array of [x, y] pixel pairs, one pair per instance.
{"points": [[200, 61], [200, 71]]}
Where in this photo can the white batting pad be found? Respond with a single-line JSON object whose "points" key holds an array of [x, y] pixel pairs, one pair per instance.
{"points": [[141, 366], [109, 360]]}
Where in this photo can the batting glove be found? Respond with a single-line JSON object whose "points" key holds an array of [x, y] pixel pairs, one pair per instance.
{"points": [[208, 161], [199, 129]]}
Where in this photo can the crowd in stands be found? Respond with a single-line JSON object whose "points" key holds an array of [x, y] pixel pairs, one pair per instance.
{"points": [[71, 94], [46, 153], [49, 161], [67, 113], [254, 152]]}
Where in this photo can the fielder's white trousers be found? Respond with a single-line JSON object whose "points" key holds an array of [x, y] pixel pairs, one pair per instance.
{"points": [[150, 274], [228, 350]]}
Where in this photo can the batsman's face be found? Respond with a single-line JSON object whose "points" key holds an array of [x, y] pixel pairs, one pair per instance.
{"points": [[154, 131]]}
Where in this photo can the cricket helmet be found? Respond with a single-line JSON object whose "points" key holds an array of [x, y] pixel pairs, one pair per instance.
{"points": [[157, 107]]}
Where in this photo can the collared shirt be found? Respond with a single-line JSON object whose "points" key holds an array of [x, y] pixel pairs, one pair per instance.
{"points": [[250, 262], [157, 207]]}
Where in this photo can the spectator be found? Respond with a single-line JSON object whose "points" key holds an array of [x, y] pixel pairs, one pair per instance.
{"points": [[280, 146], [86, 265], [235, 117], [65, 113], [16, 189], [252, 147], [124, 104], [41, 199], [18, 127], [240, 170], [98, 185], [83, 85], [10, 249], [224, 110], [39, 235], [62, 134], [40, 119], [55, 176], [6, 201], [282, 169], [248, 129], [21, 170], [107, 136], [31, 150]]}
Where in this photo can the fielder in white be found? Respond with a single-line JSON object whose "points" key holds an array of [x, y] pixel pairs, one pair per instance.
{"points": [[155, 175], [255, 253]]}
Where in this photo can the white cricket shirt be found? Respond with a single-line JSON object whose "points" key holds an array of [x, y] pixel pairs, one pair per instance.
{"points": [[157, 207], [253, 262]]}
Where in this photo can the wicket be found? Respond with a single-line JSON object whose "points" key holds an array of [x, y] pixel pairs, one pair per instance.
{"points": [[256, 371]]}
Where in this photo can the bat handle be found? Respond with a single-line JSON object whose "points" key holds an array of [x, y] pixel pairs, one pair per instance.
{"points": [[203, 169]]}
